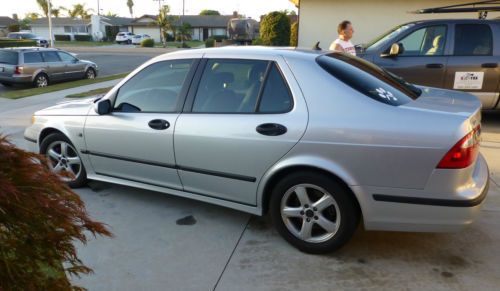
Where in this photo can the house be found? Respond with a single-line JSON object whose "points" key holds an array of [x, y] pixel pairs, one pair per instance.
{"points": [[5, 22], [60, 25], [318, 19], [202, 26], [95, 26]]}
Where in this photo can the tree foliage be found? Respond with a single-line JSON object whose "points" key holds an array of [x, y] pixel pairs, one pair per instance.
{"points": [[275, 29], [44, 6], [130, 4], [40, 219], [79, 10], [209, 12], [294, 34], [165, 22]]}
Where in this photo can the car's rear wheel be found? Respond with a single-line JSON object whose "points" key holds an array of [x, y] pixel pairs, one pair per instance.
{"points": [[129, 41], [90, 74], [41, 80], [64, 158], [313, 212]]}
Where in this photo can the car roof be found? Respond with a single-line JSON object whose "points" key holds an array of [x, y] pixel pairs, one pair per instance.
{"points": [[30, 49], [455, 21], [236, 51]]}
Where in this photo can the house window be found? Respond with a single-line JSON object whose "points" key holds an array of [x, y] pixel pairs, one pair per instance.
{"points": [[75, 29]]}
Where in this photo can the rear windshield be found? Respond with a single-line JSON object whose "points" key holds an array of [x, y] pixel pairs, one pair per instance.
{"points": [[369, 79], [8, 57]]}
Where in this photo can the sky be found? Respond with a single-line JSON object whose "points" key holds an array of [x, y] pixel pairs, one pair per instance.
{"points": [[251, 8]]}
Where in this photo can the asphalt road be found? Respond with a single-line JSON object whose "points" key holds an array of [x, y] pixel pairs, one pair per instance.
{"points": [[109, 63]]}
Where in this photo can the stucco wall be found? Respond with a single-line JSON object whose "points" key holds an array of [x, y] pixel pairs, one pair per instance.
{"points": [[319, 18]]}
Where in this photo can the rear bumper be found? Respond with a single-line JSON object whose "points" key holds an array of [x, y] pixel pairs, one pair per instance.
{"points": [[17, 79], [405, 210]]}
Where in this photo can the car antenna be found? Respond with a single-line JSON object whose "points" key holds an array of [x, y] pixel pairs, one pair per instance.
{"points": [[316, 47]]}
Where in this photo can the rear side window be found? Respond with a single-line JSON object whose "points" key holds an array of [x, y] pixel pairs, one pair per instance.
{"points": [[9, 58], [30, 58], [473, 40], [369, 79], [50, 57], [276, 97]]}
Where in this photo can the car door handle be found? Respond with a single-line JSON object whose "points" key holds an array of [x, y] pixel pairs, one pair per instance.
{"points": [[489, 65], [271, 129], [159, 124], [434, 66]]}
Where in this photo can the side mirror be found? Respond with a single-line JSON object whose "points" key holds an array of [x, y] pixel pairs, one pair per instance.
{"points": [[103, 107], [395, 50]]}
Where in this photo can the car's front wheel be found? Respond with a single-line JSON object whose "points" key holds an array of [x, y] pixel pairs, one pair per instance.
{"points": [[64, 159], [41, 80], [90, 74], [313, 212]]}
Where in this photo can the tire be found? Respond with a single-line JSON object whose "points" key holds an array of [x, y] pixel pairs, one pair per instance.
{"points": [[90, 74], [41, 80], [6, 84], [129, 41], [310, 226], [63, 156]]}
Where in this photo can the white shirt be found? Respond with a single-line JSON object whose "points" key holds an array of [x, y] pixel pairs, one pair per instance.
{"points": [[347, 46]]}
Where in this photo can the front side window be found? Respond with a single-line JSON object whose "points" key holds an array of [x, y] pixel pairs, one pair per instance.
{"points": [[30, 58], [65, 57], [427, 41], [230, 86], [156, 88], [473, 40], [50, 57], [369, 79]]}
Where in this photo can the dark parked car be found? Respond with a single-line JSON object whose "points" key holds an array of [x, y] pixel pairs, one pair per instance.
{"points": [[40, 41], [40, 66], [459, 54]]}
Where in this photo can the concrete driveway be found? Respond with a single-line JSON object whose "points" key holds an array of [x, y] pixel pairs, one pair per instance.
{"points": [[168, 243]]}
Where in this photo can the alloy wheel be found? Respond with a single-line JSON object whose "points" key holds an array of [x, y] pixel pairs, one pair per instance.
{"points": [[63, 157]]}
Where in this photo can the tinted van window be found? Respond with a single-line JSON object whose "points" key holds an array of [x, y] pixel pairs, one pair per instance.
{"points": [[32, 58], [8, 57], [369, 79], [50, 57], [473, 40]]}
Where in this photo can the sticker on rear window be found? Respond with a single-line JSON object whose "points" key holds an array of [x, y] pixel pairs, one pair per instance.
{"points": [[386, 94], [468, 80]]}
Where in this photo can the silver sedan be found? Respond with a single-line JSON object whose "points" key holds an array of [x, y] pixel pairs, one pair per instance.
{"points": [[318, 141]]}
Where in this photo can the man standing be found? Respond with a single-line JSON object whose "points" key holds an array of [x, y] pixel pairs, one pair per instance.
{"points": [[343, 42]]}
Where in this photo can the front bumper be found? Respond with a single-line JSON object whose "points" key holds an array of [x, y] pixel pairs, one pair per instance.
{"points": [[405, 210]]}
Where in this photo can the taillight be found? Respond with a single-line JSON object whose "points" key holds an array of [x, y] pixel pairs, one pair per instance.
{"points": [[19, 70], [463, 153]]}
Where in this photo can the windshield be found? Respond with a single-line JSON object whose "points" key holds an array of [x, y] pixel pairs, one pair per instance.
{"points": [[381, 39], [369, 79]]}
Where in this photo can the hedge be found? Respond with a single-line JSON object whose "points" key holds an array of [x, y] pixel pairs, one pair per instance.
{"points": [[62, 37], [210, 42], [294, 34], [275, 29], [219, 37], [17, 42], [148, 43], [83, 37]]}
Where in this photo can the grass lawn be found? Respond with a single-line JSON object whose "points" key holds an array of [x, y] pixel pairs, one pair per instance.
{"points": [[81, 43], [58, 86], [94, 92]]}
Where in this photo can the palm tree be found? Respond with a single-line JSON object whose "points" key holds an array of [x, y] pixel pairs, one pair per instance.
{"points": [[79, 10], [130, 4], [165, 22], [44, 5]]}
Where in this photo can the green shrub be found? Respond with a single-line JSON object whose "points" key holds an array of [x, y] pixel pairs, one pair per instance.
{"points": [[294, 34], [219, 37], [40, 220], [275, 29], [83, 37], [148, 43], [14, 28], [210, 42], [62, 37], [257, 41], [183, 45], [111, 32], [17, 43]]}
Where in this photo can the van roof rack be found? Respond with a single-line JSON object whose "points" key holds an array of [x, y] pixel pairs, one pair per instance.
{"points": [[481, 7]]}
